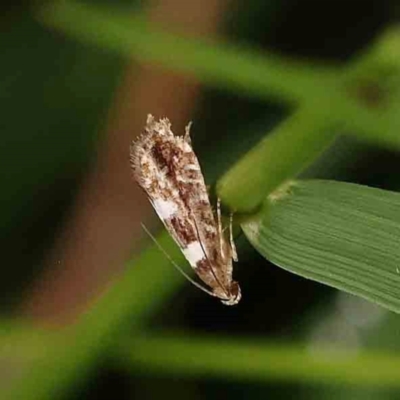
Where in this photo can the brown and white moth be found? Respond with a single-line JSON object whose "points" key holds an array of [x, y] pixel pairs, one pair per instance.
{"points": [[166, 167]]}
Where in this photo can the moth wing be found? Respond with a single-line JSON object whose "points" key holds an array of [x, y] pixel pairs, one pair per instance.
{"points": [[182, 227]]}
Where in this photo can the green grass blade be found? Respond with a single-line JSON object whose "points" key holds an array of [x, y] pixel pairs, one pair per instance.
{"points": [[317, 86], [283, 154], [340, 234], [141, 289], [221, 357], [257, 360], [261, 74]]}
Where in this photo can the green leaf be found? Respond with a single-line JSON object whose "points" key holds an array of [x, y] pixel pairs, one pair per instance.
{"points": [[344, 235]]}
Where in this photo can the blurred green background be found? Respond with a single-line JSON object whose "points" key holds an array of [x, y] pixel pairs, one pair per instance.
{"points": [[56, 93]]}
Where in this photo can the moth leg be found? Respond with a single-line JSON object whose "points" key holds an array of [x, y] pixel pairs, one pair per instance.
{"points": [[232, 243], [187, 133], [221, 244]]}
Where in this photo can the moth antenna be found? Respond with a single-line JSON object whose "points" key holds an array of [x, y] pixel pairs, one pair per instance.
{"points": [[232, 242], [193, 282], [187, 133], [220, 227]]}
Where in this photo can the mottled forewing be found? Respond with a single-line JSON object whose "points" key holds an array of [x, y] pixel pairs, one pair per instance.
{"points": [[168, 170], [153, 171]]}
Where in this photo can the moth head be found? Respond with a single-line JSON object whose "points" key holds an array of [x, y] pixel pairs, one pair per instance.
{"points": [[234, 295]]}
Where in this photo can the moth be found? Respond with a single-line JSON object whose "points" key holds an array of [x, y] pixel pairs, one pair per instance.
{"points": [[167, 169]]}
